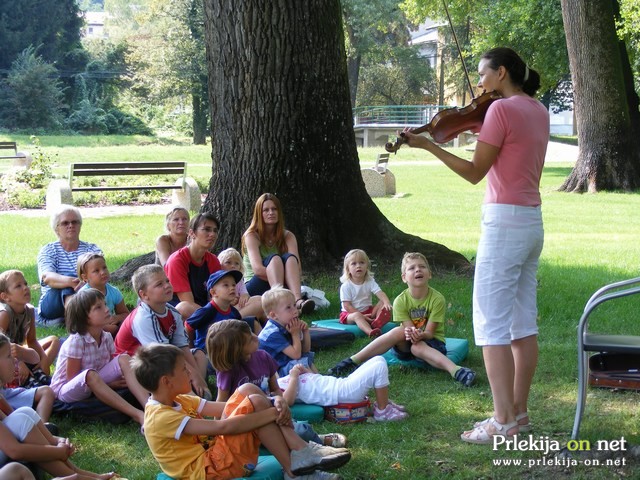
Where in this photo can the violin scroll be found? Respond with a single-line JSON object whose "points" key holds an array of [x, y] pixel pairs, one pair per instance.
{"points": [[395, 146]]}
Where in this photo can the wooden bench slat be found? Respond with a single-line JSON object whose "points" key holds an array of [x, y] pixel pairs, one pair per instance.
{"points": [[130, 165], [118, 172], [127, 187]]}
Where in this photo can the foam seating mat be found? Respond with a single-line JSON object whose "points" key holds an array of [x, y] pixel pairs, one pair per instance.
{"points": [[322, 337], [457, 351], [307, 413], [93, 409], [267, 468], [335, 324]]}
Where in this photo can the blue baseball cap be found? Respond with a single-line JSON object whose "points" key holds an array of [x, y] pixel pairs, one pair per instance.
{"points": [[215, 277]]}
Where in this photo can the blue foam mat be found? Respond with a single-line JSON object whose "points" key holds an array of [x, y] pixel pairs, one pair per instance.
{"points": [[457, 351], [336, 325], [308, 413], [268, 468]]}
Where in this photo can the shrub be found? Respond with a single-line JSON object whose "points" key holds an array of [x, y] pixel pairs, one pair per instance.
{"points": [[24, 197], [31, 94]]}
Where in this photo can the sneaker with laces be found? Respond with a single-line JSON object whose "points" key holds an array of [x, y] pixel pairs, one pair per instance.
{"points": [[465, 376], [342, 368], [388, 414], [336, 440], [318, 475], [317, 457]]}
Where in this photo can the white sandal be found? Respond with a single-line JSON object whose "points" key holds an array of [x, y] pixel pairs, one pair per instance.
{"points": [[523, 427], [482, 436]]}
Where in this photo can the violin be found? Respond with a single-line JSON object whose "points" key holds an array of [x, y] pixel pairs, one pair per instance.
{"points": [[448, 124]]}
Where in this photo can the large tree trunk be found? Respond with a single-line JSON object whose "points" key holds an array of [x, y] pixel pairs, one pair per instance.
{"points": [[604, 100], [281, 119]]}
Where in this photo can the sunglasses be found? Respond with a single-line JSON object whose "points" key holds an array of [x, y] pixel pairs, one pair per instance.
{"points": [[66, 223]]}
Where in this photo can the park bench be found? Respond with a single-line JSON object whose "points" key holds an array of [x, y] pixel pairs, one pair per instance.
{"points": [[379, 180], [9, 146], [185, 190], [20, 159]]}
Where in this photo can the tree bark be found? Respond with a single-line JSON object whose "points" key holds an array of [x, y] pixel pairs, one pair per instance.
{"points": [[128, 268], [281, 123], [604, 100], [353, 67], [199, 104]]}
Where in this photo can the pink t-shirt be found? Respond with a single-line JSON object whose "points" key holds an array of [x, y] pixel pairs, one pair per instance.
{"points": [[519, 125]]}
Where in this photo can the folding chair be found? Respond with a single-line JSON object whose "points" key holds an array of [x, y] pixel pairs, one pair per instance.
{"points": [[590, 342]]}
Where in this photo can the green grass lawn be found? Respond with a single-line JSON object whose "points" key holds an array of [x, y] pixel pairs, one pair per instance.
{"points": [[590, 240]]}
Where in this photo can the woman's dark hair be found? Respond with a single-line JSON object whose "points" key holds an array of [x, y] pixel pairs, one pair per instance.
{"points": [[200, 218], [519, 72]]}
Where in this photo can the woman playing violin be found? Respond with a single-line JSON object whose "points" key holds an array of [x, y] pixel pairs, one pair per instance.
{"points": [[510, 152]]}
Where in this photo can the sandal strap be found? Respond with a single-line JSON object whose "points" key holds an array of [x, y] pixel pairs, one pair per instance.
{"points": [[503, 428]]}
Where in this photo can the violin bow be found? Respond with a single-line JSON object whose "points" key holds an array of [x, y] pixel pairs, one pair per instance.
{"points": [[459, 49]]}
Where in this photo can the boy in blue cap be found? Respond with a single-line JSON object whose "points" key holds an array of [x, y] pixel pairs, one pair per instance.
{"points": [[222, 289]]}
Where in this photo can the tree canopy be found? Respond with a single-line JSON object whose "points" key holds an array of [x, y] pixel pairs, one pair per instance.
{"points": [[53, 28]]}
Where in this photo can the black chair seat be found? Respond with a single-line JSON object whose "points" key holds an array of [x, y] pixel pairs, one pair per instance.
{"points": [[612, 343]]}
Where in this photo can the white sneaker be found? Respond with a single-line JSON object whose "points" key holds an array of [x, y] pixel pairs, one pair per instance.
{"points": [[317, 457]]}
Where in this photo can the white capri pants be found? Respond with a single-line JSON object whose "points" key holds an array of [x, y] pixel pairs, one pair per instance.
{"points": [[505, 286], [374, 373]]}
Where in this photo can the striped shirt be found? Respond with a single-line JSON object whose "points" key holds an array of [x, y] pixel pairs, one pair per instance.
{"points": [[53, 258]]}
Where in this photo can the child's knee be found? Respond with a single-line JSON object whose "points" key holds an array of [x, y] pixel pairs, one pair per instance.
{"points": [[92, 378], [199, 355], [45, 394], [247, 389]]}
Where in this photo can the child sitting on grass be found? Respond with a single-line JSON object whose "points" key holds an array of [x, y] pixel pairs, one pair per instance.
{"points": [[155, 321], [188, 446], [23, 436], [285, 337], [87, 363], [233, 351], [419, 311], [222, 288], [18, 322], [92, 269], [40, 398], [356, 290], [230, 259]]}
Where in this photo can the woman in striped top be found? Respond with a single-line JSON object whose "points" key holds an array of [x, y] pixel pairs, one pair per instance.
{"points": [[57, 265]]}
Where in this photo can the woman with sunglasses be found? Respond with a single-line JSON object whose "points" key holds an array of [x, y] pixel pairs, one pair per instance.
{"points": [[57, 265]]}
